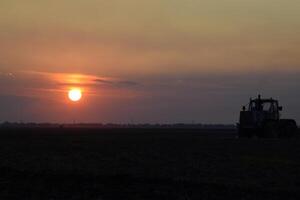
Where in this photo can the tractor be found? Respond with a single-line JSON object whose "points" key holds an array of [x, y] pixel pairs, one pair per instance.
{"points": [[261, 118]]}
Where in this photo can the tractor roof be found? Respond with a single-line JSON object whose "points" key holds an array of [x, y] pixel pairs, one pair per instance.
{"points": [[263, 100]]}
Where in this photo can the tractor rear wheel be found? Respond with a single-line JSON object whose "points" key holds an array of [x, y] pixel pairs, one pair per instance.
{"points": [[271, 129], [288, 127]]}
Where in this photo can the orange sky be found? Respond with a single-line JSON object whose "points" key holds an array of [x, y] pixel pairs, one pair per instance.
{"points": [[143, 49], [149, 37]]}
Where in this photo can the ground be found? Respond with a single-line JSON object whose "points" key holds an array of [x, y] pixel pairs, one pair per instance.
{"points": [[146, 164]]}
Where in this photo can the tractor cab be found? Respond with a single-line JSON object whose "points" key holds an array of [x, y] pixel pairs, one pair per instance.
{"points": [[266, 108]]}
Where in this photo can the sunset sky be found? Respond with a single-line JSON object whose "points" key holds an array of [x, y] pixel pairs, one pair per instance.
{"points": [[137, 61]]}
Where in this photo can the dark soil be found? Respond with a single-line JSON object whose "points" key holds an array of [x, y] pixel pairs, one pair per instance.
{"points": [[146, 164]]}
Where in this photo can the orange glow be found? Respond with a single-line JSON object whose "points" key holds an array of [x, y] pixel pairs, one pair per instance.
{"points": [[75, 94]]}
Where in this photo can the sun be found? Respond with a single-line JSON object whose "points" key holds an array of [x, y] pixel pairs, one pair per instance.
{"points": [[75, 94]]}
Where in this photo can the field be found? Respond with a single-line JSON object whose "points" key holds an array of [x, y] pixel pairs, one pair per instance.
{"points": [[146, 164]]}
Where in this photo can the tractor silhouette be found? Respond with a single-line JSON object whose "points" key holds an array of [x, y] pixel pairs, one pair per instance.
{"points": [[261, 118]]}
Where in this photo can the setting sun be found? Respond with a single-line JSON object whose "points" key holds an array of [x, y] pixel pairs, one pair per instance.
{"points": [[75, 94]]}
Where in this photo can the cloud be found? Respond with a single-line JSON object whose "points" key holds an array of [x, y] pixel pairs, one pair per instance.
{"points": [[47, 84], [7, 75], [82, 79], [116, 82]]}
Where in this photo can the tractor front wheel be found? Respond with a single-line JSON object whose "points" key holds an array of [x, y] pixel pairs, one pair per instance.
{"points": [[244, 133]]}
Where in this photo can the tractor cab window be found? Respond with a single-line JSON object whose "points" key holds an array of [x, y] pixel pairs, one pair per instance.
{"points": [[253, 106], [263, 106], [256, 106], [274, 107], [267, 106]]}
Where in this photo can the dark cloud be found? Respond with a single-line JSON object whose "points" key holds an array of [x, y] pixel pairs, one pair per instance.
{"points": [[99, 80], [116, 82]]}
